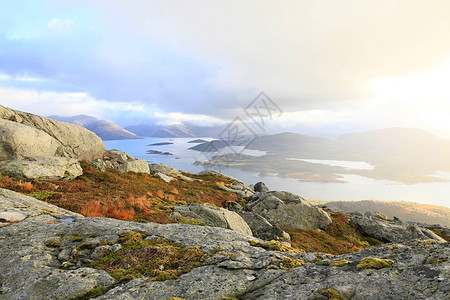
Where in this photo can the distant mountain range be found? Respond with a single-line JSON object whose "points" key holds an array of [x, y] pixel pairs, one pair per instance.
{"points": [[408, 211], [405, 155], [183, 130], [104, 129]]}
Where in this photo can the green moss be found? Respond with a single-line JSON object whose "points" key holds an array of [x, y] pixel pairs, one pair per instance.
{"points": [[92, 235], [427, 242], [340, 263], [435, 261], [332, 294], [131, 237], [290, 263], [53, 244], [374, 263], [93, 293], [176, 298], [275, 246], [83, 246], [159, 259], [41, 195], [77, 238]]}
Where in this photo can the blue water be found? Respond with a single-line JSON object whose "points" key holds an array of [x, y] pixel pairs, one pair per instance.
{"points": [[358, 187]]}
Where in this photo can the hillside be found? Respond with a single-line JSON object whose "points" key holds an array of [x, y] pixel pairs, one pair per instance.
{"points": [[408, 211], [104, 129]]}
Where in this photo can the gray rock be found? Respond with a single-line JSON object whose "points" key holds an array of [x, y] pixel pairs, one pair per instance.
{"points": [[163, 168], [116, 159], [11, 216], [31, 270], [12, 202], [261, 228], [42, 167], [73, 141], [165, 178], [21, 141], [261, 187], [169, 170], [290, 211], [392, 231], [214, 216]]}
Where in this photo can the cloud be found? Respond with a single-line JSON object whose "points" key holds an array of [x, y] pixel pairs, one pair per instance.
{"points": [[68, 104], [60, 24]]}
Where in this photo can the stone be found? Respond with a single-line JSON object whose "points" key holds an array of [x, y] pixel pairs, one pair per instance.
{"points": [[163, 168], [18, 141], [290, 211], [165, 178], [21, 205], [388, 231], [42, 167], [261, 228], [261, 187], [73, 141], [11, 216], [116, 159], [214, 216]]}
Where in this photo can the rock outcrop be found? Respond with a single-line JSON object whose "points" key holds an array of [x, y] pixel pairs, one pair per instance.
{"points": [[213, 216], [392, 231], [288, 210], [42, 167], [168, 173], [73, 141], [18, 141], [116, 159], [43, 258]]}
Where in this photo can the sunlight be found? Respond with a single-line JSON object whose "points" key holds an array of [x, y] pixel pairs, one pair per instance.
{"points": [[423, 98]]}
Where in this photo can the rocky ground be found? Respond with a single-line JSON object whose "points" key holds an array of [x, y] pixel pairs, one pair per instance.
{"points": [[199, 236]]}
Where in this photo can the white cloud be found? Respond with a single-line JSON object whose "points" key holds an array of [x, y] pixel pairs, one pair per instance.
{"points": [[67, 104], [177, 118], [60, 24]]}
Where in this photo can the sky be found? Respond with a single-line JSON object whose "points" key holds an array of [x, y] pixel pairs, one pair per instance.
{"points": [[331, 66]]}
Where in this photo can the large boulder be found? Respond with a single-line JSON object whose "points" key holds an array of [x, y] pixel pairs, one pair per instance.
{"points": [[116, 159], [42, 167], [392, 231], [213, 216], [21, 141], [73, 141], [261, 228], [290, 211]]}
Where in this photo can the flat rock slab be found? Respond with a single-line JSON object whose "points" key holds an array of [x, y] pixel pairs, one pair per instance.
{"points": [[42, 167], [15, 205]]}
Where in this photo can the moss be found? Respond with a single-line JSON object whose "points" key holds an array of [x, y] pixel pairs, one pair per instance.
{"points": [[176, 298], [158, 259], [77, 238], [131, 237], [332, 294], [83, 246], [374, 263], [53, 244], [93, 293], [229, 298], [427, 242], [435, 261], [275, 246], [43, 196], [340, 263], [92, 235], [290, 263]]}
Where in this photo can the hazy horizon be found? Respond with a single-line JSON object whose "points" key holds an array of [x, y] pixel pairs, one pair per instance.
{"points": [[331, 67]]}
